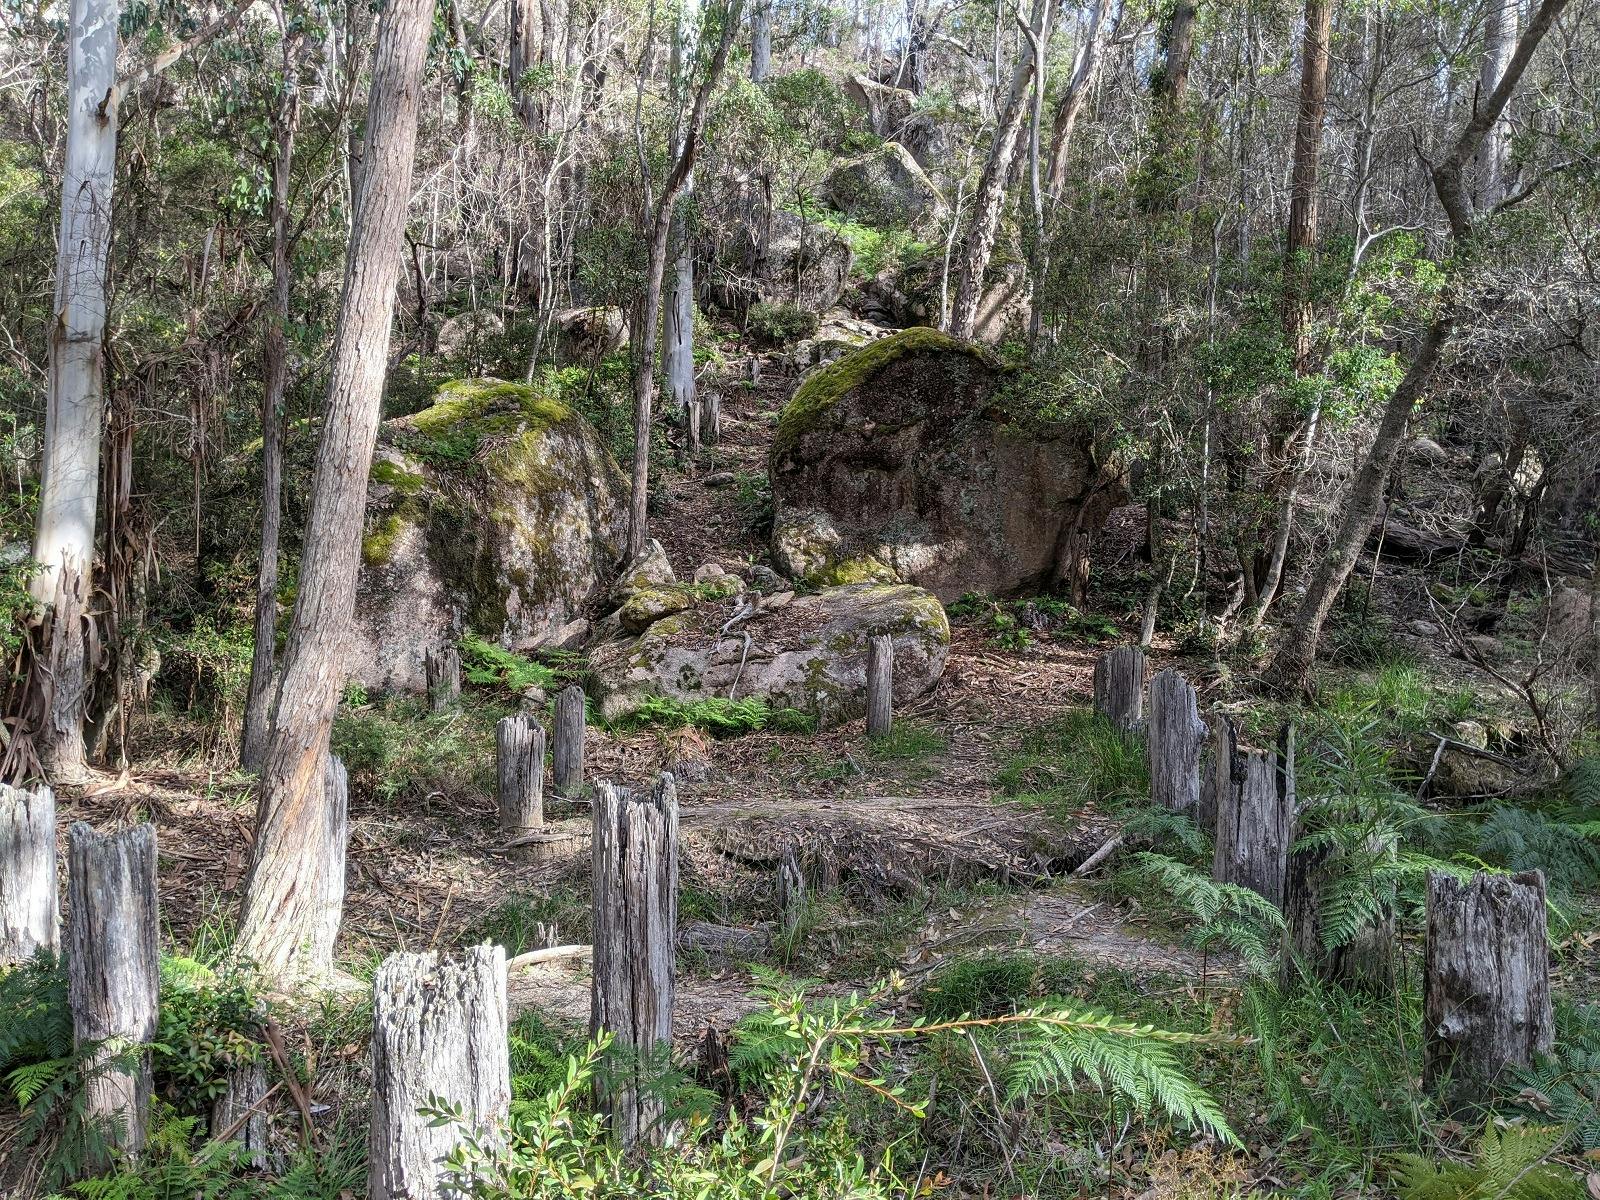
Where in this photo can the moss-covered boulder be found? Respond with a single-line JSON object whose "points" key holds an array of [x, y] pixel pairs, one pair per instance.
{"points": [[803, 652], [887, 188], [497, 509], [915, 458]]}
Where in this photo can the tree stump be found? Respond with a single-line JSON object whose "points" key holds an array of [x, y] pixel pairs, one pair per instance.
{"points": [[239, 1114], [1486, 987], [1216, 767], [635, 847], [568, 749], [1176, 734], [114, 972], [30, 912], [1255, 819], [880, 686], [1365, 962], [443, 670], [1119, 687], [711, 416], [335, 843], [438, 1035], [519, 748]]}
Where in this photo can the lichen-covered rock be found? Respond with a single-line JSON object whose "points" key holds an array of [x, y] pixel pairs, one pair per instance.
{"points": [[887, 188], [645, 607], [804, 652], [892, 114], [907, 458], [497, 509]]}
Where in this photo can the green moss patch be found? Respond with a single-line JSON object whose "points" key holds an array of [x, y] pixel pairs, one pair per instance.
{"points": [[377, 547], [465, 412], [407, 483]]}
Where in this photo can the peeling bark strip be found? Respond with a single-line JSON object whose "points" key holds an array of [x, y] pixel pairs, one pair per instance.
{"points": [[30, 912], [1175, 737], [1255, 818], [438, 1038], [1119, 687], [880, 686], [113, 972], [443, 670], [568, 765], [1486, 987], [635, 916], [519, 749]]}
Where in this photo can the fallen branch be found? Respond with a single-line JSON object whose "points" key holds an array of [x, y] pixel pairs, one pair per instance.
{"points": [[549, 954]]}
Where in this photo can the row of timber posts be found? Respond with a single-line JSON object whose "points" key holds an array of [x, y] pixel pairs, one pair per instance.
{"points": [[1486, 970]]}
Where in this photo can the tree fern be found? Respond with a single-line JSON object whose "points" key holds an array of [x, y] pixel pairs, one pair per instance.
{"points": [[1225, 915], [1565, 1085], [1521, 839]]}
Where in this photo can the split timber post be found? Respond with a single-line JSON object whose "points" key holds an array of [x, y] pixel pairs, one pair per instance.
{"points": [[443, 670], [1119, 687], [791, 891], [114, 972], [1216, 768], [1366, 961], [1176, 734], [1486, 983], [519, 763], [880, 686], [438, 1033], [711, 416], [635, 847], [30, 912], [568, 749], [1255, 818]]}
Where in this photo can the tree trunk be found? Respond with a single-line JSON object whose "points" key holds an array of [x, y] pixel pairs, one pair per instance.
{"points": [[1119, 687], [1216, 769], [1486, 987], [1255, 819], [1176, 734], [989, 200], [880, 686], [114, 973], [568, 751], [519, 746], [635, 918], [761, 41], [442, 667], [283, 894], [438, 1039], [30, 913], [1489, 164], [1070, 103], [64, 533], [680, 328]]}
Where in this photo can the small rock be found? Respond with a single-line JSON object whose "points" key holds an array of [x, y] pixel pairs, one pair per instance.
{"points": [[706, 572], [719, 479], [779, 600], [650, 571], [644, 608], [1423, 629], [534, 698]]}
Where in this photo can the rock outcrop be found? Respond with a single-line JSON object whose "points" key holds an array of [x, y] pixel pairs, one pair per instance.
{"points": [[790, 261], [497, 509], [909, 459], [887, 188], [807, 653], [892, 114]]}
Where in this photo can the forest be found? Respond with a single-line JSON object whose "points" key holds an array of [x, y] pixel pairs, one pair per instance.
{"points": [[784, 599]]}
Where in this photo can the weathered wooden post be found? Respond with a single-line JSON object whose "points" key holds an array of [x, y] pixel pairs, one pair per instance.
{"points": [[443, 670], [880, 686], [30, 912], [1255, 818], [438, 1034], [711, 416], [1366, 960], [791, 891], [519, 748], [336, 794], [1216, 768], [1486, 986], [1119, 687], [568, 750], [114, 972], [1176, 734], [635, 849]]}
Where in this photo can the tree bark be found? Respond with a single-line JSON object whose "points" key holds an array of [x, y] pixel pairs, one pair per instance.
{"points": [[1119, 687], [30, 911], [635, 917], [1176, 734], [438, 1039], [442, 668], [1486, 987], [1366, 961], [1499, 40], [1216, 769], [1255, 820], [880, 686], [569, 731], [113, 973], [282, 897], [1070, 103], [519, 746], [761, 41]]}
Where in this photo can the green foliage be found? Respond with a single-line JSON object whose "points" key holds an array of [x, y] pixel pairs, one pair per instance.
{"points": [[907, 739], [1565, 1084], [206, 1028], [539, 1055], [717, 715], [1013, 624], [206, 669], [778, 324], [1524, 839], [872, 250], [489, 665], [1224, 915], [1077, 761], [518, 921], [1507, 1164], [399, 748]]}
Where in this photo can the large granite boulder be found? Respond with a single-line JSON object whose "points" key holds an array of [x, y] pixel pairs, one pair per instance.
{"points": [[786, 259], [887, 188], [803, 652], [909, 459], [893, 115], [497, 509]]}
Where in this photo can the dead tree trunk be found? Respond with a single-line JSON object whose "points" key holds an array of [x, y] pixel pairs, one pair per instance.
{"points": [[1119, 687], [568, 749], [519, 747], [1216, 768], [1365, 961], [438, 1035], [1255, 819], [1486, 988], [113, 972], [635, 915], [443, 670], [1175, 736], [30, 914], [880, 686]]}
